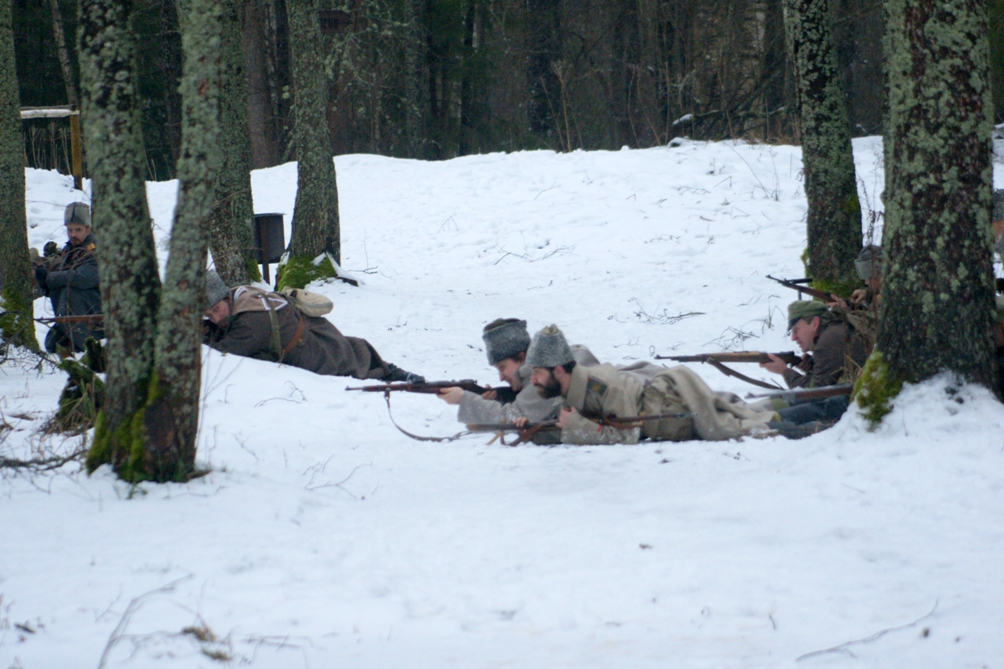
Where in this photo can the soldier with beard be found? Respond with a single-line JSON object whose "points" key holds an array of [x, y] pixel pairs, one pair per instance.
{"points": [[71, 283]]}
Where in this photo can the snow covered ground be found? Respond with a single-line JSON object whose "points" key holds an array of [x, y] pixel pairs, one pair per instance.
{"points": [[325, 538]]}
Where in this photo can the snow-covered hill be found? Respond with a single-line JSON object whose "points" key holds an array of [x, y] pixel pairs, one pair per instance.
{"points": [[325, 538]]}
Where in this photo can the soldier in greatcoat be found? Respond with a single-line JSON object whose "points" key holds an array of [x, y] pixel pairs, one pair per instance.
{"points": [[621, 393], [259, 324], [71, 283]]}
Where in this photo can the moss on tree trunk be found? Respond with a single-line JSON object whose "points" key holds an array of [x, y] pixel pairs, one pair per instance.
{"points": [[233, 214], [130, 285], [937, 290], [15, 267], [834, 217], [315, 214]]}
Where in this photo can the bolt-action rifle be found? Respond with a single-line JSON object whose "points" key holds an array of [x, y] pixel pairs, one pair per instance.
{"points": [[87, 318], [716, 360], [527, 431], [504, 394], [811, 292], [805, 394]]}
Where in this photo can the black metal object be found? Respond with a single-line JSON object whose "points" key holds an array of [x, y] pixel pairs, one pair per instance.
{"points": [[270, 240]]}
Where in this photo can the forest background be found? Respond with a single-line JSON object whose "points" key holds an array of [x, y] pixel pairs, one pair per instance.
{"points": [[436, 79]]}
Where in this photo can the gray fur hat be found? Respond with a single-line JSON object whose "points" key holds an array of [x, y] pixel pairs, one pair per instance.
{"points": [[869, 262], [77, 212], [216, 290], [505, 338], [549, 349], [998, 213]]}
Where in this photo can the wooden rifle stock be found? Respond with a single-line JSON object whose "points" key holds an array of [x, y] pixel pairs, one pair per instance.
{"points": [[87, 318], [803, 394], [789, 357]]}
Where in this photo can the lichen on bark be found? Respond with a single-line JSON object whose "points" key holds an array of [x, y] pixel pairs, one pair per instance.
{"points": [[315, 214], [937, 286], [834, 216], [15, 267], [130, 285]]}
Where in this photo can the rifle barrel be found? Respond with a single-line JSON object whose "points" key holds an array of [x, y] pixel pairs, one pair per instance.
{"points": [[430, 387], [738, 356], [812, 292], [821, 392]]}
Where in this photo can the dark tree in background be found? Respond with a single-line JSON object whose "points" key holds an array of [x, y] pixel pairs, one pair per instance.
{"points": [[130, 285], [834, 217], [315, 216], [938, 289], [233, 212], [15, 269]]}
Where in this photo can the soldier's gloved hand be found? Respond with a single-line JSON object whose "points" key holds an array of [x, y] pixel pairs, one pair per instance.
{"points": [[41, 273]]}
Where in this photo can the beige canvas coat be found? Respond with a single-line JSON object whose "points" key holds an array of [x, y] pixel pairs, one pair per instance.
{"points": [[647, 389]]}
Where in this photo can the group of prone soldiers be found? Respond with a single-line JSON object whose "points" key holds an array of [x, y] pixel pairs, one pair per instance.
{"points": [[565, 386]]}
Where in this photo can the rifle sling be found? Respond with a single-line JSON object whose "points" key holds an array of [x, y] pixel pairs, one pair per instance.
{"points": [[742, 377], [416, 437], [297, 336]]}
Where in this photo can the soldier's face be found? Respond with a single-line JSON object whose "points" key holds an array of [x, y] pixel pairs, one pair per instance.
{"points": [[77, 233], [543, 380], [219, 312], [508, 369], [804, 333]]}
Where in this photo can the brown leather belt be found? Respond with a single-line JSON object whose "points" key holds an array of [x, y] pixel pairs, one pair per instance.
{"points": [[300, 327]]}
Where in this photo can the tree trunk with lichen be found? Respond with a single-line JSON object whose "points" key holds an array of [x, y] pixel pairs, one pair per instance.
{"points": [[233, 214], [937, 281], [834, 216], [315, 215], [171, 417], [16, 322], [130, 285]]}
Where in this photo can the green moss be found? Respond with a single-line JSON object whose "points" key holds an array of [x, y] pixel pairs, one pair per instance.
{"points": [[876, 388], [841, 288], [16, 325], [298, 271], [254, 271], [123, 448]]}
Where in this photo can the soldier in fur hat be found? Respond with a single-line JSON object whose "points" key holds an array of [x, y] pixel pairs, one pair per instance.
{"points": [[71, 283], [506, 343]]}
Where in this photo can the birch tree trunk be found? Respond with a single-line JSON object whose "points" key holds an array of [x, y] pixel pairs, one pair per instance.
{"points": [[130, 286], [315, 214], [937, 284], [171, 418], [834, 218], [233, 214], [15, 268]]}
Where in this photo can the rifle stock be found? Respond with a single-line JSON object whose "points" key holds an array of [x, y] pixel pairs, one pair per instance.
{"points": [[803, 394]]}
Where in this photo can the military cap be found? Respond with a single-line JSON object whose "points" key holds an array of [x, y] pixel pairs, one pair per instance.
{"points": [[505, 338], [549, 349], [869, 262], [805, 310], [77, 212], [216, 290]]}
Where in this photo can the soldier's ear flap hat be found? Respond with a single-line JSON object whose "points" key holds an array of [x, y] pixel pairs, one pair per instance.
{"points": [[505, 338], [216, 290], [869, 262], [804, 310], [77, 212], [549, 349]]}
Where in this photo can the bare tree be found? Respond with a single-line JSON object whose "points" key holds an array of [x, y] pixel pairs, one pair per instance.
{"points": [[938, 288], [130, 286], [15, 268], [315, 214], [834, 217]]}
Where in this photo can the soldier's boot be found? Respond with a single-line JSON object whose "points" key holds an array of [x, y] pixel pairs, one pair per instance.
{"points": [[395, 373]]}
